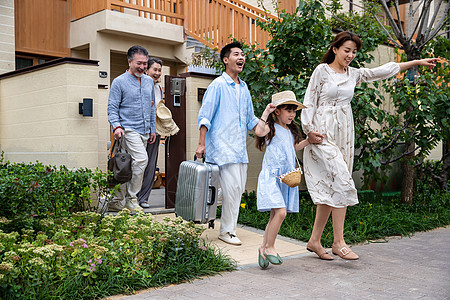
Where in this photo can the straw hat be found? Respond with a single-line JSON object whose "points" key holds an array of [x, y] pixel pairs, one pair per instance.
{"points": [[165, 125], [286, 97]]}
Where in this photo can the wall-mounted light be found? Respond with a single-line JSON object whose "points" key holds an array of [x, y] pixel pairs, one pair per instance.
{"points": [[86, 108]]}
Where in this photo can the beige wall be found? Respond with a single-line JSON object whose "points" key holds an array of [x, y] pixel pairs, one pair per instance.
{"points": [[7, 40], [109, 32], [39, 117]]}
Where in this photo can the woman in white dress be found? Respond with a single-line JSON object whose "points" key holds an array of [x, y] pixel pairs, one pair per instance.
{"points": [[328, 118]]}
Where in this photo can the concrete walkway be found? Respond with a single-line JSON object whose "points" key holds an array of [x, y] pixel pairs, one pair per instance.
{"points": [[403, 268]]}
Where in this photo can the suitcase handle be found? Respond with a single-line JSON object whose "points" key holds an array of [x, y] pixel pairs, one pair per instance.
{"points": [[203, 157], [213, 195]]}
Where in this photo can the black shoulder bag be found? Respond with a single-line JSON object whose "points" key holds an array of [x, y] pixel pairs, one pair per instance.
{"points": [[119, 163]]}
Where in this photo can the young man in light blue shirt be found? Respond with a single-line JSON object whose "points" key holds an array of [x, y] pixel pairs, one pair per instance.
{"points": [[224, 118], [131, 113]]}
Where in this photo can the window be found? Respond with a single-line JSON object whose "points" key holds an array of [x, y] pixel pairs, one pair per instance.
{"points": [[23, 61]]}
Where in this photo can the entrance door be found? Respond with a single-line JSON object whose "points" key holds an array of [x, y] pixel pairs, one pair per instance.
{"points": [[175, 92]]}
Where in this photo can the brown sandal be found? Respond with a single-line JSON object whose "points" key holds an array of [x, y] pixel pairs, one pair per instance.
{"points": [[345, 253], [322, 255]]}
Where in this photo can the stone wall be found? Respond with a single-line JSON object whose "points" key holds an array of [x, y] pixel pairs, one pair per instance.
{"points": [[7, 39], [40, 120]]}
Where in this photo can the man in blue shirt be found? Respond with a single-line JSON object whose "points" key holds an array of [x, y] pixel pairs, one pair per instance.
{"points": [[131, 113], [224, 118]]}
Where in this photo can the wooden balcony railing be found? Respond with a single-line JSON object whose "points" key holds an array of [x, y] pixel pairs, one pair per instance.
{"points": [[212, 22], [169, 11], [216, 22]]}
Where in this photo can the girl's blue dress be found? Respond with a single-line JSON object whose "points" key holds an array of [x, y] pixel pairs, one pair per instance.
{"points": [[279, 158]]}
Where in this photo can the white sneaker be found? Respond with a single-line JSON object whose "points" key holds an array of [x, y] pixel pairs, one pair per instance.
{"points": [[132, 206], [114, 206], [144, 205], [230, 239]]}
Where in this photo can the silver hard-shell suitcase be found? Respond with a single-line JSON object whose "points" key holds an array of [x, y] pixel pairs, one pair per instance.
{"points": [[197, 187]]}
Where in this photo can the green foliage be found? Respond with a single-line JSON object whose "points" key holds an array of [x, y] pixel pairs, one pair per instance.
{"points": [[206, 57], [375, 217], [422, 110], [85, 256], [29, 192], [298, 42]]}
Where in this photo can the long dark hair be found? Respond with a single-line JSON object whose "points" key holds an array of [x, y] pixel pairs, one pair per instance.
{"points": [[295, 130], [340, 39]]}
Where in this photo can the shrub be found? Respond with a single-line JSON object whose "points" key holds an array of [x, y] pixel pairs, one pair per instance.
{"points": [[86, 256], [376, 216], [35, 191]]}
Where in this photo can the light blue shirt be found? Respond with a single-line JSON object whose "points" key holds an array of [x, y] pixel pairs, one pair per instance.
{"points": [[227, 120], [130, 103]]}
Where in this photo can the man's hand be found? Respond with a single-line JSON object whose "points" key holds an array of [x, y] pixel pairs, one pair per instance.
{"points": [[200, 151], [152, 138], [118, 133], [315, 137]]}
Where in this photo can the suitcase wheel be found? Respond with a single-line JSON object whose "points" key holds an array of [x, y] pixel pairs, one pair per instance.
{"points": [[211, 224]]}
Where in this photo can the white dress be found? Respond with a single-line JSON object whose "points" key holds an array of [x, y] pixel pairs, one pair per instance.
{"points": [[328, 166]]}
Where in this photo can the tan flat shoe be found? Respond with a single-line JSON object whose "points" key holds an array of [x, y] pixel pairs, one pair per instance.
{"points": [[322, 254], [345, 253]]}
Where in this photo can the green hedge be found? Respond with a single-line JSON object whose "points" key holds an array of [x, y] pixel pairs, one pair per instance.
{"points": [[34, 191]]}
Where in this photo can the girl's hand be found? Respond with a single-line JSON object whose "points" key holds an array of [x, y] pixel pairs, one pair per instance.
{"points": [[270, 108], [315, 137]]}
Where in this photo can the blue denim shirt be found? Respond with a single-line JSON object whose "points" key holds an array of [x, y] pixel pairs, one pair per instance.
{"points": [[227, 120], [130, 103]]}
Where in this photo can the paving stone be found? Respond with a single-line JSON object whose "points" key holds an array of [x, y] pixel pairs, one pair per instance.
{"points": [[415, 267]]}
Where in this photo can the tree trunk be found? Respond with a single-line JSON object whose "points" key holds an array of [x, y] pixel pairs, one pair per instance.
{"points": [[409, 175], [408, 170]]}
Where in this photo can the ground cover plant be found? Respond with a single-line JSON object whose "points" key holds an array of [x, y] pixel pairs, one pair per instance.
{"points": [[376, 217], [85, 256], [53, 245]]}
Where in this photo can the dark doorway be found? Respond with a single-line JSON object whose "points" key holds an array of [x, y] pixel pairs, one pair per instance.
{"points": [[175, 97]]}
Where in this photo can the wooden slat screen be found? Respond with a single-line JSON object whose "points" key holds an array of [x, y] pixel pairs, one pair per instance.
{"points": [[216, 22]]}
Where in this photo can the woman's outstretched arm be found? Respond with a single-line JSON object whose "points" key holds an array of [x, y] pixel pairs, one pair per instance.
{"points": [[426, 62]]}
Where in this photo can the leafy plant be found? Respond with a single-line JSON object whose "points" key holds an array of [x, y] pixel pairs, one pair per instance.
{"points": [[30, 192], [206, 57], [85, 256], [376, 217]]}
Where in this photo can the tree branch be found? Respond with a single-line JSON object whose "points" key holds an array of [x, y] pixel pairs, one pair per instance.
{"points": [[402, 155], [395, 137], [420, 21], [441, 24], [415, 10], [445, 32], [378, 21], [433, 19], [392, 22], [424, 14], [397, 10]]}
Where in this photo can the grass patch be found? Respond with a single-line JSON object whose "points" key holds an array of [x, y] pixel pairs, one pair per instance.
{"points": [[85, 256], [375, 217]]}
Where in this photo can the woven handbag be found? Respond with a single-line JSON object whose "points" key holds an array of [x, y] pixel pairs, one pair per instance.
{"points": [[292, 178]]}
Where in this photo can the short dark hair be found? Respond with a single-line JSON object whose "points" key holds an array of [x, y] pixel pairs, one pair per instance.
{"points": [[153, 60], [136, 49], [226, 50]]}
